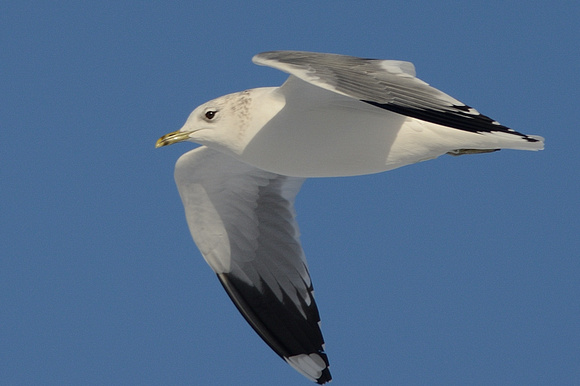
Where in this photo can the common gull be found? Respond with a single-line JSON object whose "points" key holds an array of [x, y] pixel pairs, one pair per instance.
{"points": [[336, 115]]}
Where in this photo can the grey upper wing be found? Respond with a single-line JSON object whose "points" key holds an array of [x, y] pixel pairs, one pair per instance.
{"points": [[242, 220], [387, 84]]}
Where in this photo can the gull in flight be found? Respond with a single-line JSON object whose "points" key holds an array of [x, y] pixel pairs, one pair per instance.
{"points": [[336, 115]]}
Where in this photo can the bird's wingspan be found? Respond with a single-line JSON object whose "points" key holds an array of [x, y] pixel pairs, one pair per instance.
{"points": [[242, 220], [387, 84]]}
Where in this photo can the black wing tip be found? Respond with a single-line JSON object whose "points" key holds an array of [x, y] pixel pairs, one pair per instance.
{"points": [[293, 338], [325, 377], [461, 119], [531, 139]]}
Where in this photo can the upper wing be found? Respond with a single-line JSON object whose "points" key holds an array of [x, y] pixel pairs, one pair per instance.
{"points": [[242, 220], [388, 84]]}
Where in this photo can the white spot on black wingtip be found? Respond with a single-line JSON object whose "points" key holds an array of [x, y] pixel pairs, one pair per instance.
{"points": [[466, 109], [312, 366], [535, 138]]}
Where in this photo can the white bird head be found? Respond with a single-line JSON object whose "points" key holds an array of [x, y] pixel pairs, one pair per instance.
{"points": [[213, 123], [225, 123]]}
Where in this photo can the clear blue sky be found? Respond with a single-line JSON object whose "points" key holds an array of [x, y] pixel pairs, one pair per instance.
{"points": [[454, 271]]}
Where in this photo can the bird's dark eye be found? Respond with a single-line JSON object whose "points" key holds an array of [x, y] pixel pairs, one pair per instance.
{"points": [[210, 114]]}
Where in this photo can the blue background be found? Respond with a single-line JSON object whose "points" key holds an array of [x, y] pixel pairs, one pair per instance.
{"points": [[454, 271]]}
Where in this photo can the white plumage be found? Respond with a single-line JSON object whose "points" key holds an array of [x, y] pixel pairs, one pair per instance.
{"points": [[334, 116]]}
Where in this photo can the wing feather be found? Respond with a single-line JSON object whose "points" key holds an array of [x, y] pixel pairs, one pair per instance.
{"points": [[386, 84], [243, 221]]}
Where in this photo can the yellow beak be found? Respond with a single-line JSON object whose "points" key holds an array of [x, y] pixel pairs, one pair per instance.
{"points": [[171, 138]]}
